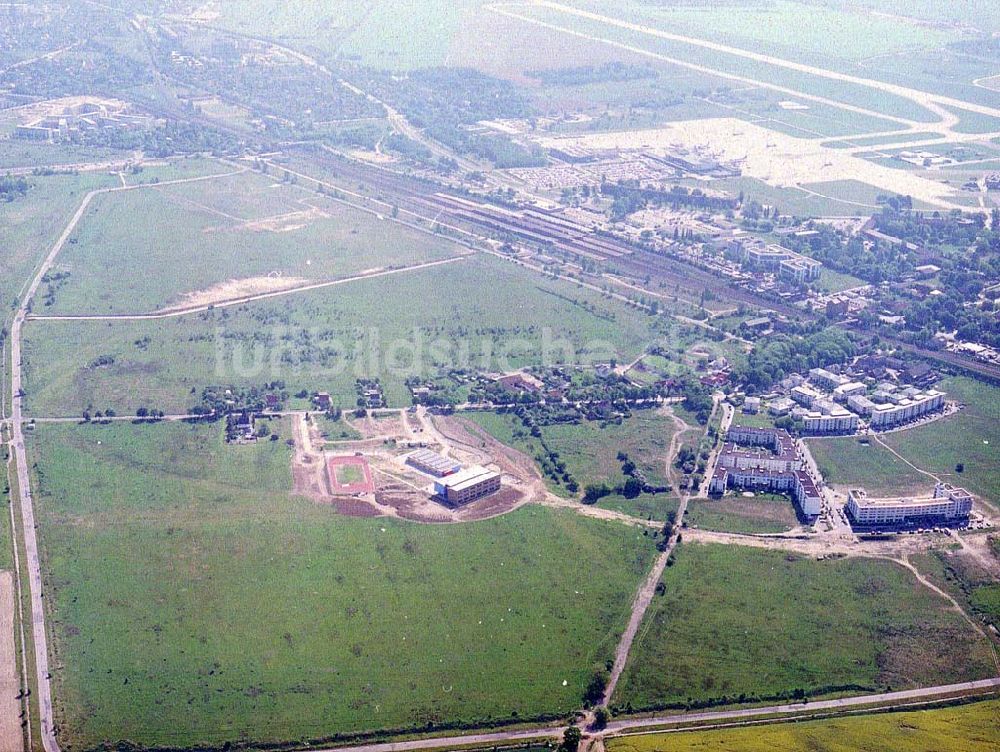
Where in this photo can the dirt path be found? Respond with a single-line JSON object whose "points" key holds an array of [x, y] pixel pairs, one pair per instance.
{"points": [[10, 709], [905, 562], [903, 459], [200, 308], [648, 589]]}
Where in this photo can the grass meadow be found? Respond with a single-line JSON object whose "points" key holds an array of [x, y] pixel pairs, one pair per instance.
{"points": [[962, 728], [192, 236], [15, 153], [396, 34], [195, 602], [965, 578], [847, 463], [30, 225], [819, 33], [479, 311], [590, 451], [737, 621], [845, 92], [970, 437], [763, 513]]}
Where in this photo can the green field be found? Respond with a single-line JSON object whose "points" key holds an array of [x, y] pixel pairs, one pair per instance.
{"points": [[397, 34], [194, 601], [971, 437], [846, 463], [717, 60], [799, 30], [478, 312], [963, 728], [964, 578], [590, 451], [139, 251], [348, 474], [831, 280], [760, 624], [30, 225], [795, 201], [762, 513], [15, 153]]}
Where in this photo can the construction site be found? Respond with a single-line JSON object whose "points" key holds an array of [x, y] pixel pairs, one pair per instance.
{"points": [[411, 465]]}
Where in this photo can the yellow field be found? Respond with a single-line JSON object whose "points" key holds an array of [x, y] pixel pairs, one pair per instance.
{"points": [[966, 728]]}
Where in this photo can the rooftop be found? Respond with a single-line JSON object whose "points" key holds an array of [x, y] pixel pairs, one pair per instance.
{"points": [[470, 476]]}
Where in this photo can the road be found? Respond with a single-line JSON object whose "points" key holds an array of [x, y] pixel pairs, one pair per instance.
{"points": [[38, 632], [619, 728], [24, 497], [187, 310], [832, 509]]}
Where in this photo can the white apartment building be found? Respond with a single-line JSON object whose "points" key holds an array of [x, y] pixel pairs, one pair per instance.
{"points": [[905, 409], [947, 503]]}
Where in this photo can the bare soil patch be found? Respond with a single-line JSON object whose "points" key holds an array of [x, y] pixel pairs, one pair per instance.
{"points": [[295, 220], [392, 490], [233, 289], [467, 434]]}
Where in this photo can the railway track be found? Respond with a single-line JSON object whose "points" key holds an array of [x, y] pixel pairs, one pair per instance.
{"points": [[548, 228]]}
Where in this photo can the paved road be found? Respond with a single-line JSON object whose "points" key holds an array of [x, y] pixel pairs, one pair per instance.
{"points": [[617, 728], [25, 501]]}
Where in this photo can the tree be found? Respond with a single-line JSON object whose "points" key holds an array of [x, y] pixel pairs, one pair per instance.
{"points": [[601, 717], [633, 487], [595, 689], [571, 739], [960, 467]]}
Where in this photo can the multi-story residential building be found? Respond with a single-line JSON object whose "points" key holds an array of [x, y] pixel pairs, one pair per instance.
{"points": [[947, 504]]}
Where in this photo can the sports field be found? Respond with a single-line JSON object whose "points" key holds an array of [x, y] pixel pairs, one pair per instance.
{"points": [[194, 601], [963, 728], [739, 623], [349, 475]]}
